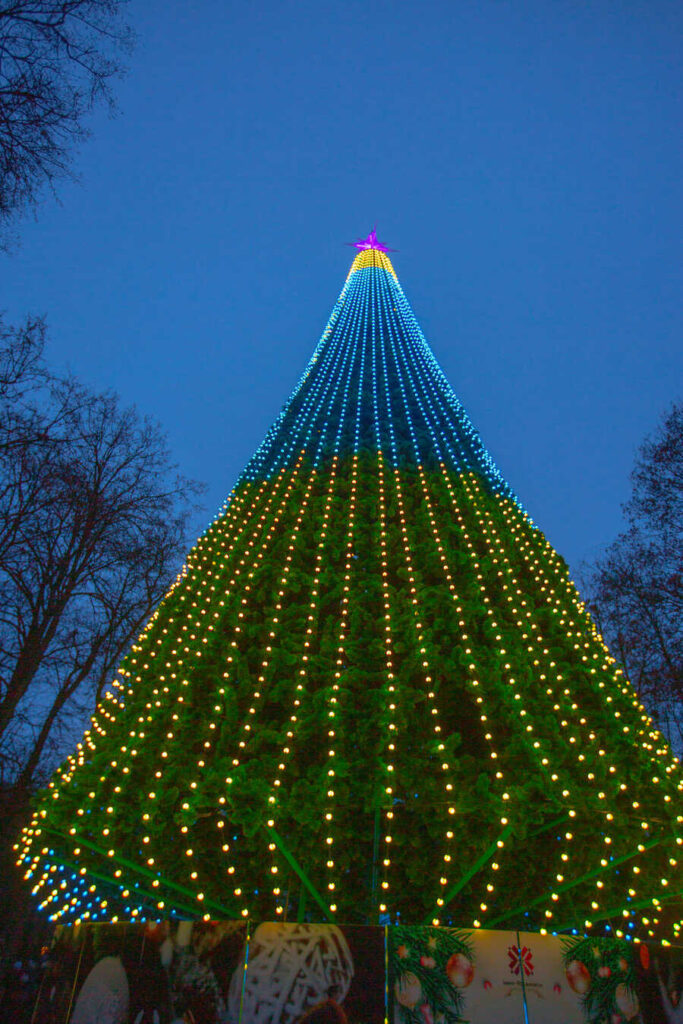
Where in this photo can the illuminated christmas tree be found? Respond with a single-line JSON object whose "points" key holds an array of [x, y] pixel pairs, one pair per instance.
{"points": [[372, 695]]}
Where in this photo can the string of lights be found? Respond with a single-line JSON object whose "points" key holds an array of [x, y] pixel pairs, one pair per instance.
{"points": [[372, 692]]}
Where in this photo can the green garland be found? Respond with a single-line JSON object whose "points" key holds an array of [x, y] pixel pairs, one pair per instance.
{"points": [[198, 626]]}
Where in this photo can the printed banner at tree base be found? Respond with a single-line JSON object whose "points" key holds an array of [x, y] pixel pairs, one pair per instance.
{"points": [[304, 973], [141, 973]]}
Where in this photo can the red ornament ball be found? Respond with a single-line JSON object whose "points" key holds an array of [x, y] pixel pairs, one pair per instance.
{"points": [[459, 970], [644, 956], [578, 977]]}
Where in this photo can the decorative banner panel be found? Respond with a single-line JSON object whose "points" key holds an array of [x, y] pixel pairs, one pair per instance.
{"points": [[660, 984], [145, 974], [304, 973], [311, 972], [440, 976]]}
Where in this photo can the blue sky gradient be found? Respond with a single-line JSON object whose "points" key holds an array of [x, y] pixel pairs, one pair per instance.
{"points": [[525, 158]]}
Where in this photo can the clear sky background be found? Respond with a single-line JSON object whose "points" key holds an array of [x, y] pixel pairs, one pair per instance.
{"points": [[524, 157]]}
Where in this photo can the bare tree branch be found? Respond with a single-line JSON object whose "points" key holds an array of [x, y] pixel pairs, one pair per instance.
{"points": [[93, 523], [636, 587], [57, 59]]}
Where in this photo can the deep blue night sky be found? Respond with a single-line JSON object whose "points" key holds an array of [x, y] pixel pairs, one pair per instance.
{"points": [[525, 158]]}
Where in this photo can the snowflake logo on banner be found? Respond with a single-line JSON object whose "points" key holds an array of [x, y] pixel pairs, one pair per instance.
{"points": [[520, 959]]}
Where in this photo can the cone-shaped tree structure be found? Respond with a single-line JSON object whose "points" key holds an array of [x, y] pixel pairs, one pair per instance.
{"points": [[373, 692]]}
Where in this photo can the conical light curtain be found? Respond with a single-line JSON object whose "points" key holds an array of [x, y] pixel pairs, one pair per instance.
{"points": [[373, 694]]}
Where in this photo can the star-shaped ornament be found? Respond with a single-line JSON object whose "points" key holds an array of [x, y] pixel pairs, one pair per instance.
{"points": [[370, 243]]}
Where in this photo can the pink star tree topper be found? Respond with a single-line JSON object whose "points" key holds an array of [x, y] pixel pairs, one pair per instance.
{"points": [[370, 243]]}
